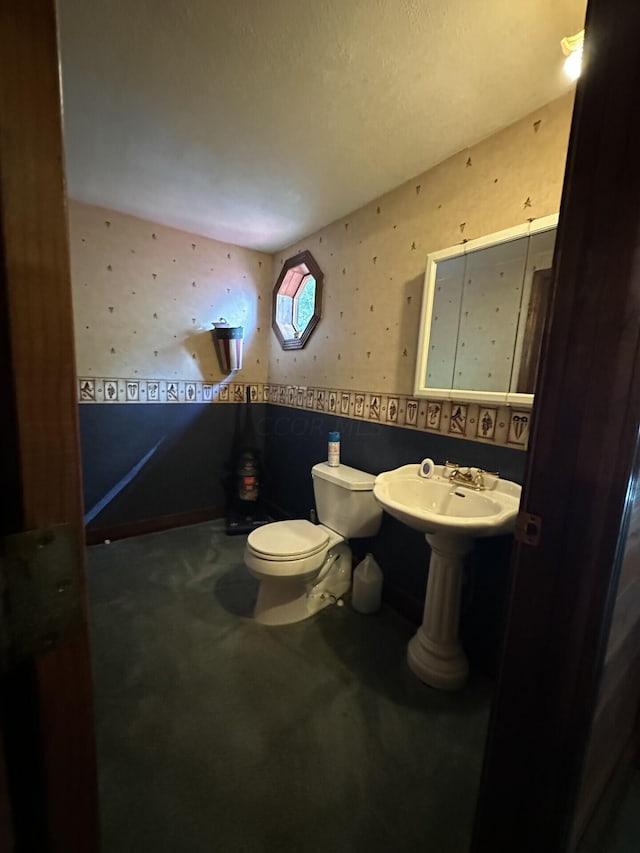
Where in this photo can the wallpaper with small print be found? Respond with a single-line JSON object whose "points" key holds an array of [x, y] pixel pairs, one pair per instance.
{"points": [[374, 260], [145, 298]]}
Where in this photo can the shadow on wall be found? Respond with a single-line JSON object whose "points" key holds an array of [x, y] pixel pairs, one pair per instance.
{"points": [[186, 473], [406, 353], [199, 345]]}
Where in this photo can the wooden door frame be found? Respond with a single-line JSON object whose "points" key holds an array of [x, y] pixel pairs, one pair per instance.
{"points": [[48, 761], [581, 470]]}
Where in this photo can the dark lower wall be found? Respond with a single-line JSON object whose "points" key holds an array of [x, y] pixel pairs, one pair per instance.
{"points": [[296, 439], [146, 461]]}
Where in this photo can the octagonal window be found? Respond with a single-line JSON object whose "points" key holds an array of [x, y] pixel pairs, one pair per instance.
{"points": [[296, 300]]}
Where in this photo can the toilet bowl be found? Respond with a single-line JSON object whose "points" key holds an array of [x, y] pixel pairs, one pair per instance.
{"points": [[303, 567]]}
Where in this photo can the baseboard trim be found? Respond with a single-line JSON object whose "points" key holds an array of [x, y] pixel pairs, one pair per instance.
{"points": [[152, 525]]}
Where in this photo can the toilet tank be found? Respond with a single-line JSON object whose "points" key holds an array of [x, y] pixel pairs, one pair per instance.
{"points": [[344, 500]]}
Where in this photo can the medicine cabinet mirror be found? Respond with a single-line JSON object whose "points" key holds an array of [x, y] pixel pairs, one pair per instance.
{"points": [[483, 313]]}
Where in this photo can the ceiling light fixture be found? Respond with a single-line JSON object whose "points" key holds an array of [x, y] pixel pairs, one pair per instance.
{"points": [[572, 49]]}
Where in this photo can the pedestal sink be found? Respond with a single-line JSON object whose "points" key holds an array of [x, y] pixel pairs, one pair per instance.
{"points": [[451, 514]]}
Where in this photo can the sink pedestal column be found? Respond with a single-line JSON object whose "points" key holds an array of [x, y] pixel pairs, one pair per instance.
{"points": [[434, 654]]}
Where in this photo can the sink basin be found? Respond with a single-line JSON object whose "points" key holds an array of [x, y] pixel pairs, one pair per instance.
{"points": [[435, 505], [450, 515]]}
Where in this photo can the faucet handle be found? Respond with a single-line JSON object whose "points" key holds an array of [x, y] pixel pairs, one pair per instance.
{"points": [[488, 479], [450, 469]]}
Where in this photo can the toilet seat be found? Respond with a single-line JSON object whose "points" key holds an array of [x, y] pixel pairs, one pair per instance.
{"points": [[290, 550], [288, 540]]}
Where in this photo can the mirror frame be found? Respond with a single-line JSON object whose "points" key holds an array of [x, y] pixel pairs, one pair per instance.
{"points": [[508, 398]]}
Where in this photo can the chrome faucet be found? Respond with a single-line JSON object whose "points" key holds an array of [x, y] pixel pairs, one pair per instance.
{"points": [[473, 478]]}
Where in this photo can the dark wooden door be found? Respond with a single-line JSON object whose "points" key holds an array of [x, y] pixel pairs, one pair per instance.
{"points": [[582, 464], [48, 791], [534, 331]]}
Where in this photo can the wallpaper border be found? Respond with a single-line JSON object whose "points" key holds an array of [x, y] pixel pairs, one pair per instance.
{"points": [[501, 426]]}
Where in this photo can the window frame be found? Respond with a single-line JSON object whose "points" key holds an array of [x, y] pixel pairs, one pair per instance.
{"points": [[305, 264]]}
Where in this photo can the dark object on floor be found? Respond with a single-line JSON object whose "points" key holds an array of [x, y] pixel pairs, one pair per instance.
{"points": [[244, 505], [239, 522]]}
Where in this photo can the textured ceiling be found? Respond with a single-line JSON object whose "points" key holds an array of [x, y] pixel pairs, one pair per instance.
{"points": [[257, 122]]}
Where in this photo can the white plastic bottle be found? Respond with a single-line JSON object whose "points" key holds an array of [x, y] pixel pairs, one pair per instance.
{"points": [[367, 586], [334, 449]]}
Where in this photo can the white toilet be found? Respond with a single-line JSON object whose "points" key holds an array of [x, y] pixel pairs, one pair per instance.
{"points": [[302, 567]]}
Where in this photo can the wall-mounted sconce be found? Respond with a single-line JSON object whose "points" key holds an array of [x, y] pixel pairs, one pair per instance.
{"points": [[572, 49], [228, 343]]}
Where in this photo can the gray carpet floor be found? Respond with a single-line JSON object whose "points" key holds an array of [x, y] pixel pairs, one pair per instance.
{"points": [[216, 733]]}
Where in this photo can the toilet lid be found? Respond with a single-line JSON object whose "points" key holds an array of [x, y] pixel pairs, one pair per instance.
{"points": [[288, 540]]}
